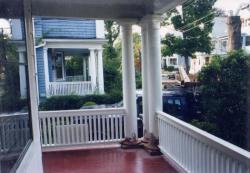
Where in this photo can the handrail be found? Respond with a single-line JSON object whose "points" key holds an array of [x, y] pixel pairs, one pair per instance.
{"points": [[83, 112], [74, 127], [183, 74], [71, 82], [12, 115], [204, 143], [69, 88]]}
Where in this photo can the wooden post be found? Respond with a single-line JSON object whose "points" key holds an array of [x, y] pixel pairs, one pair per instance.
{"points": [[248, 112]]}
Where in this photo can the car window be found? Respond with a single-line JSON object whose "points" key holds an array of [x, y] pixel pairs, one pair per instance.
{"points": [[170, 101], [177, 102]]}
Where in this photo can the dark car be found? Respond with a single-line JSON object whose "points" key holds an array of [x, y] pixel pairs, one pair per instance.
{"points": [[175, 103]]}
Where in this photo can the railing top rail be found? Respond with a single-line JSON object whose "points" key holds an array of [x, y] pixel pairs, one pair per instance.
{"points": [[207, 138], [82, 112], [5, 115], [71, 82]]}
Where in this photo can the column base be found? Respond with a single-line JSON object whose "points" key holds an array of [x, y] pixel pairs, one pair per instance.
{"points": [[131, 143], [149, 143]]}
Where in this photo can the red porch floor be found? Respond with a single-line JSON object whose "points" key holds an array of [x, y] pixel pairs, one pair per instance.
{"points": [[104, 161]]}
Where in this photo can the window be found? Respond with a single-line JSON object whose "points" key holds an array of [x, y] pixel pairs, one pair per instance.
{"points": [[74, 68], [15, 124], [207, 59], [59, 66], [247, 40], [173, 61], [223, 45]]}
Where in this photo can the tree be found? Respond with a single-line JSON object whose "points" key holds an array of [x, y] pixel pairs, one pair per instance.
{"points": [[112, 33], [9, 76], [112, 60], [195, 24], [137, 56], [224, 96]]}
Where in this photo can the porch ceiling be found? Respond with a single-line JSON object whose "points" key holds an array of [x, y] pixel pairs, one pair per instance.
{"points": [[99, 9]]}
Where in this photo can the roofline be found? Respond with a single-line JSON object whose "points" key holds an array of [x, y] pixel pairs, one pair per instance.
{"points": [[98, 41]]}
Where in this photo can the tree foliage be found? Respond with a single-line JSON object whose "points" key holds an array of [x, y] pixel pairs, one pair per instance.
{"points": [[224, 96], [112, 33], [112, 60], [9, 76], [195, 24], [74, 65]]}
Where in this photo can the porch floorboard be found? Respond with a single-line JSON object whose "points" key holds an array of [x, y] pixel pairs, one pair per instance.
{"points": [[113, 160]]}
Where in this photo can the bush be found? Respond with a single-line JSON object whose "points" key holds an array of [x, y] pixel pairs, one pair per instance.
{"points": [[224, 95], [12, 105], [61, 103], [75, 102], [170, 68], [209, 127], [89, 104]]}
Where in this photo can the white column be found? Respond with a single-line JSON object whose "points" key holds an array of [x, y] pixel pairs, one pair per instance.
{"points": [[92, 68], [22, 75], [84, 68], [128, 73], [100, 72], [46, 69], [34, 153], [153, 75], [145, 75], [244, 41]]}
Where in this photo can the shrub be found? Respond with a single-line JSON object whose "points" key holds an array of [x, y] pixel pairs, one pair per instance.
{"points": [[209, 127], [224, 95], [76, 102], [170, 68], [89, 104], [61, 103]]}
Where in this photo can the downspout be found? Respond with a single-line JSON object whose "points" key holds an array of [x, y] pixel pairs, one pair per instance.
{"points": [[36, 47]]}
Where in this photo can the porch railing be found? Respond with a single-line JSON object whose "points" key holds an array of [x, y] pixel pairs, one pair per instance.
{"points": [[198, 151], [74, 78], [70, 88], [62, 128], [14, 132]]}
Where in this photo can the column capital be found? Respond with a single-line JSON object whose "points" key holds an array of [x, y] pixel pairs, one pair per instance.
{"points": [[100, 49], [127, 22], [150, 20]]}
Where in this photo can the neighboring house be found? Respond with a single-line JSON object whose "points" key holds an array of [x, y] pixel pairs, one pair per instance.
{"points": [[68, 55], [219, 39], [174, 61]]}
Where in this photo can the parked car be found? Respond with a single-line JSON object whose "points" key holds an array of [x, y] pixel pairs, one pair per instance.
{"points": [[175, 103]]}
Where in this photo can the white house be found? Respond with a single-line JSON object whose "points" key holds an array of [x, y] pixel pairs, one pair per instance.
{"points": [[219, 39]]}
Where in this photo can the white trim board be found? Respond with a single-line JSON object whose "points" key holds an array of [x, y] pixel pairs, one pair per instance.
{"points": [[75, 43]]}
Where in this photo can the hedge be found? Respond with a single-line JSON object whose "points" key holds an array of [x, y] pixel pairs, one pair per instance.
{"points": [[75, 102]]}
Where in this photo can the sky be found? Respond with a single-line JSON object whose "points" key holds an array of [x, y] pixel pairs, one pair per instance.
{"points": [[225, 5], [228, 5]]}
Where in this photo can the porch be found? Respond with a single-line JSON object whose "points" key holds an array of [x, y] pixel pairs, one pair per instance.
{"points": [[112, 160], [71, 67], [188, 149], [85, 139]]}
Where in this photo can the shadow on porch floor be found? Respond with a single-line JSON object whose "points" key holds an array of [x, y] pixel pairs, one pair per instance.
{"points": [[114, 160]]}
